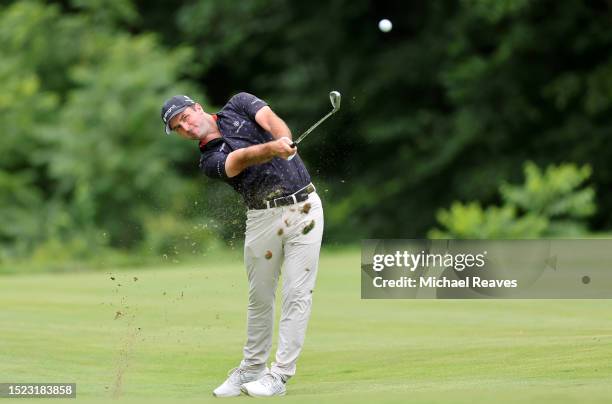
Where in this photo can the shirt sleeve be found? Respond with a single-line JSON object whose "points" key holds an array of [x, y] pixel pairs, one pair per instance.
{"points": [[213, 164], [248, 103]]}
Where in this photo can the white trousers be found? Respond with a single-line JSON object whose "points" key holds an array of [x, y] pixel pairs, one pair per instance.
{"points": [[276, 237]]}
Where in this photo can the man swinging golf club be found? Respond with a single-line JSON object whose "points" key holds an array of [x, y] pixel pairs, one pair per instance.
{"points": [[248, 146]]}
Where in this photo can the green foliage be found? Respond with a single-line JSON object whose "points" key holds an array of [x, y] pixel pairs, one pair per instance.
{"points": [[471, 221], [495, 10], [83, 149], [552, 203], [19, 201], [108, 12], [554, 193], [173, 239], [444, 107], [115, 137]]}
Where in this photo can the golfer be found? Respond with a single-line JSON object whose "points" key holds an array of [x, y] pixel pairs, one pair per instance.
{"points": [[248, 146]]}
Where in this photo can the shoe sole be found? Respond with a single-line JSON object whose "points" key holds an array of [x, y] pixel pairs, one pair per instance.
{"points": [[245, 391], [224, 396]]}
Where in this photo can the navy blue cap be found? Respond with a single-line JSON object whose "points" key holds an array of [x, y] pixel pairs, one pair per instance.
{"points": [[173, 107]]}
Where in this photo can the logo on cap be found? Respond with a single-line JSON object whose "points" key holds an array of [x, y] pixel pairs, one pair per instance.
{"points": [[173, 107]]}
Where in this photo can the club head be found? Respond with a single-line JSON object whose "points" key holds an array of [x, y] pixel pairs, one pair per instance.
{"points": [[335, 99]]}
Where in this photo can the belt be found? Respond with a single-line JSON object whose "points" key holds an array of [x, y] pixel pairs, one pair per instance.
{"points": [[296, 197]]}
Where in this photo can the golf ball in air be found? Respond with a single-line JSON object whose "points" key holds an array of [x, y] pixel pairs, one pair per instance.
{"points": [[385, 25]]}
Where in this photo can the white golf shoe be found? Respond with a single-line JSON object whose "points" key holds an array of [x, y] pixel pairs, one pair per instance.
{"points": [[237, 377], [268, 385]]}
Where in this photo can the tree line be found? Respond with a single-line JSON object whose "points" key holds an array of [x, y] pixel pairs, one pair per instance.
{"points": [[445, 107]]}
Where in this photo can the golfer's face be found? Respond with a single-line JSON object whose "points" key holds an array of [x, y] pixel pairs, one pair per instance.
{"points": [[189, 124]]}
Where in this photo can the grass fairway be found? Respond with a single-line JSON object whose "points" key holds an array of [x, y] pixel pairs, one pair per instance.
{"points": [[173, 333]]}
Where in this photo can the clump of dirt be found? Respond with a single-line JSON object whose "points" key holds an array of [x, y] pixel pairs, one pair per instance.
{"points": [[308, 227], [135, 278], [287, 223], [280, 232], [268, 254], [112, 278], [307, 270], [306, 208], [118, 314]]}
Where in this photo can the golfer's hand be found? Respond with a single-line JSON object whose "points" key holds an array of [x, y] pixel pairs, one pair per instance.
{"points": [[282, 148]]}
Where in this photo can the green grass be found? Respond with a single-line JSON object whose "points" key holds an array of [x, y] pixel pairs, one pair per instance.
{"points": [[182, 328]]}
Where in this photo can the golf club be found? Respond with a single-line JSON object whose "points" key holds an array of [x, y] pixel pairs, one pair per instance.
{"points": [[334, 98]]}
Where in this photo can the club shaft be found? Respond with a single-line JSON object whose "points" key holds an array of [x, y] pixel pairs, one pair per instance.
{"points": [[303, 135]]}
